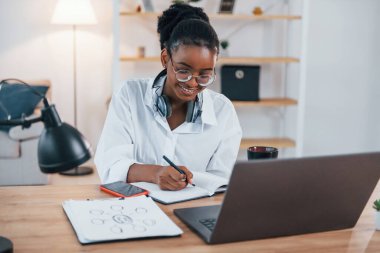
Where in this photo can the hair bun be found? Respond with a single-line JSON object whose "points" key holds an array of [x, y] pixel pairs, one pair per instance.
{"points": [[174, 15]]}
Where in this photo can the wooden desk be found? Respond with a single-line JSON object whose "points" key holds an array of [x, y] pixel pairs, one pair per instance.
{"points": [[33, 218]]}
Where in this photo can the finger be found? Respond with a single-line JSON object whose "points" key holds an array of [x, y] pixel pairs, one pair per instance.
{"points": [[176, 176], [168, 179], [173, 184], [182, 185], [163, 179], [165, 185], [189, 175]]}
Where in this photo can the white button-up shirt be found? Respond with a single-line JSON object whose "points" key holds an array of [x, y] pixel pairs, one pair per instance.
{"points": [[134, 132]]}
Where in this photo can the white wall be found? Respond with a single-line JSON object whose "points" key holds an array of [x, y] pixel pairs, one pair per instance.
{"points": [[342, 77], [32, 48], [342, 90]]}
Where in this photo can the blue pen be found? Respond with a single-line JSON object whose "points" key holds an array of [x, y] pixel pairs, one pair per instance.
{"points": [[175, 166]]}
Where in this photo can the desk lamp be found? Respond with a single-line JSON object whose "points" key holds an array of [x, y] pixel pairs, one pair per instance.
{"points": [[61, 147]]}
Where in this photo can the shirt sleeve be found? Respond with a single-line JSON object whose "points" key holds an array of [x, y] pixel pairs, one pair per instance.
{"points": [[224, 158], [115, 150]]}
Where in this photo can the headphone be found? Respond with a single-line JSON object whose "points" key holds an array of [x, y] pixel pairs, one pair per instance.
{"points": [[164, 108]]}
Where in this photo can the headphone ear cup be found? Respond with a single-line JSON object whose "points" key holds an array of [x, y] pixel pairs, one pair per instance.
{"points": [[163, 106], [190, 112]]}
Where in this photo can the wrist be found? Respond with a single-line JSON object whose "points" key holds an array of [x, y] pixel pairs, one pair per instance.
{"points": [[143, 173]]}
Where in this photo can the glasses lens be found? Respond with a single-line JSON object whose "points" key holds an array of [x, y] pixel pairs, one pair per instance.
{"points": [[183, 75], [205, 80]]}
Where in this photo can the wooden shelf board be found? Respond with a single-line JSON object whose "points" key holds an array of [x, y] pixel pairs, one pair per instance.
{"points": [[142, 14], [255, 17], [140, 59], [248, 60], [222, 16], [272, 142], [267, 102], [238, 60]]}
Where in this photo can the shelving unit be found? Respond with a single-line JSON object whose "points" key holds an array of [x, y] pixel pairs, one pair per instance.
{"points": [[279, 103]]}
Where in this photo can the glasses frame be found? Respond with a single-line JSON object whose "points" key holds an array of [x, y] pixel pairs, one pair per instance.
{"points": [[191, 76]]}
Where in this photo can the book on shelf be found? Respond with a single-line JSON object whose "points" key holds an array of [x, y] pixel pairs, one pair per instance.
{"points": [[206, 185]]}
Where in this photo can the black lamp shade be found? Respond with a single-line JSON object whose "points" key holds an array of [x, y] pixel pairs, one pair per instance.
{"points": [[62, 148]]}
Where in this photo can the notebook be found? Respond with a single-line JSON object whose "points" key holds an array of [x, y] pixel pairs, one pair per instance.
{"points": [[206, 185], [118, 219]]}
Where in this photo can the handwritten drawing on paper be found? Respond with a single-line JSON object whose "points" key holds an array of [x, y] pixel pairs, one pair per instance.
{"points": [[100, 220]]}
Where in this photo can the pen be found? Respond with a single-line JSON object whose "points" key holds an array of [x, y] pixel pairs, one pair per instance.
{"points": [[175, 166]]}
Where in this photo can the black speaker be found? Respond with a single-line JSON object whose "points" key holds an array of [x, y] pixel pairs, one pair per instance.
{"points": [[241, 82]]}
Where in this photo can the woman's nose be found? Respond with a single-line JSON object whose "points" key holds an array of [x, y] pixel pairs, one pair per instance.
{"points": [[192, 82]]}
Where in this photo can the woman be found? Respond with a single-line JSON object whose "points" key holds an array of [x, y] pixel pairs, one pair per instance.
{"points": [[173, 114]]}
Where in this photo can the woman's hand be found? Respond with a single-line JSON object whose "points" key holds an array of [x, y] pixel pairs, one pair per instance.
{"points": [[169, 178]]}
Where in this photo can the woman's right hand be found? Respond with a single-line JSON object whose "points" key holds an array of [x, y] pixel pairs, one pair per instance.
{"points": [[169, 178]]}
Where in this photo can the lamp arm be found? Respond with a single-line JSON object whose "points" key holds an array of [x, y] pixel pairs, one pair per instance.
{"points": [[26, 123]]}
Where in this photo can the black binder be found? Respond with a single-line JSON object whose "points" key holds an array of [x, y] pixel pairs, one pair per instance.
{"points": [[241, 82]]}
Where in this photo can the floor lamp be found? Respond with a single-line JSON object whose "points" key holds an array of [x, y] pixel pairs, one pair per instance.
{"points": [[74, 12]]}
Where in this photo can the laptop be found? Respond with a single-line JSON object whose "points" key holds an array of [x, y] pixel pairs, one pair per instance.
{"points": [[282, 197]]}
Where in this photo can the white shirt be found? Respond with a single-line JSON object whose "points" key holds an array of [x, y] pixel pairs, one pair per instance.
{"points": [[134, 132]]}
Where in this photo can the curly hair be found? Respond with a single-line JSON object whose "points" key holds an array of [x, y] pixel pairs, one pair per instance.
{"points": [[182, 24]]}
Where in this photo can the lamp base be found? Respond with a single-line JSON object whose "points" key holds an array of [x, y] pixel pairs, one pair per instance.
{"points": [[6, 245], [78, 171]]}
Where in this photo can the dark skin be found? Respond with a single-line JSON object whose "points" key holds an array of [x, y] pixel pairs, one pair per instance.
{"points": [[199, 60]]}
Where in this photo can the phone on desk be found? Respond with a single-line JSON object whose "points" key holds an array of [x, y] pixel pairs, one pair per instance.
{"points": [[123, 189]]}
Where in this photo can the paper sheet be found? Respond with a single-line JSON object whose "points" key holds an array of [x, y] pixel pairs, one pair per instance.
{"points": [[104, 220]]}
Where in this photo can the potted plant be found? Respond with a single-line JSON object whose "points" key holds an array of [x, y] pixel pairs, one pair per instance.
{"points": [[224, 45], [376, 206]]}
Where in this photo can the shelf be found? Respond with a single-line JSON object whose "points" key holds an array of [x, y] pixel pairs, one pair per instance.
{"points": [[267, 102], [232, 60], [140, 59], [247, 60], [255, 17], [222, 16], [271, 142]]}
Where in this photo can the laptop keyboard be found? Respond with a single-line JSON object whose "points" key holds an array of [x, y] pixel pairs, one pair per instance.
{"points": [[208, 223]]}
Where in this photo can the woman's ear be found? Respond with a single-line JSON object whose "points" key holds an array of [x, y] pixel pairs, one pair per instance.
{"points": [[164, 58]]}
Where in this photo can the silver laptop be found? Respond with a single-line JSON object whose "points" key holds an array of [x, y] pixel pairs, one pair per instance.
{"points": [[280, 197]]}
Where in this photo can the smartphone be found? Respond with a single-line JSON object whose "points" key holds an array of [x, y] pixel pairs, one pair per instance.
{"points": [[123, 189]]}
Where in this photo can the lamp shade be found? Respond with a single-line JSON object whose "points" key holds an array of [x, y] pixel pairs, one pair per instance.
{"points": [[74, 12], [61, 147]]}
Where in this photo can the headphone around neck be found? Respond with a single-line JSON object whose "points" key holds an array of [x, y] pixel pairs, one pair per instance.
{"points": [[164, 108]]}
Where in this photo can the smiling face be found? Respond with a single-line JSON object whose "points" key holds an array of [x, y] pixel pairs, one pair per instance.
{"points": [[198, 60]]}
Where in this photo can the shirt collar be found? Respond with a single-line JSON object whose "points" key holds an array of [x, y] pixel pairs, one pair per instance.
{"points": [[155, 88], [208, 112]]}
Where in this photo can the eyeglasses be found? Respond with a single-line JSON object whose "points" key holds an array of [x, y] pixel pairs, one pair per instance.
{"points": [[184, 75]]}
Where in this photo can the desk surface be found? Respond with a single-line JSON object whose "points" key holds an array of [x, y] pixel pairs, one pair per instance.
{"points": [[33, 218]]}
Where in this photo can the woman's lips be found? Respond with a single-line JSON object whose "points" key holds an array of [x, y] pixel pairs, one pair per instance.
{"points": [[187, 91]]}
